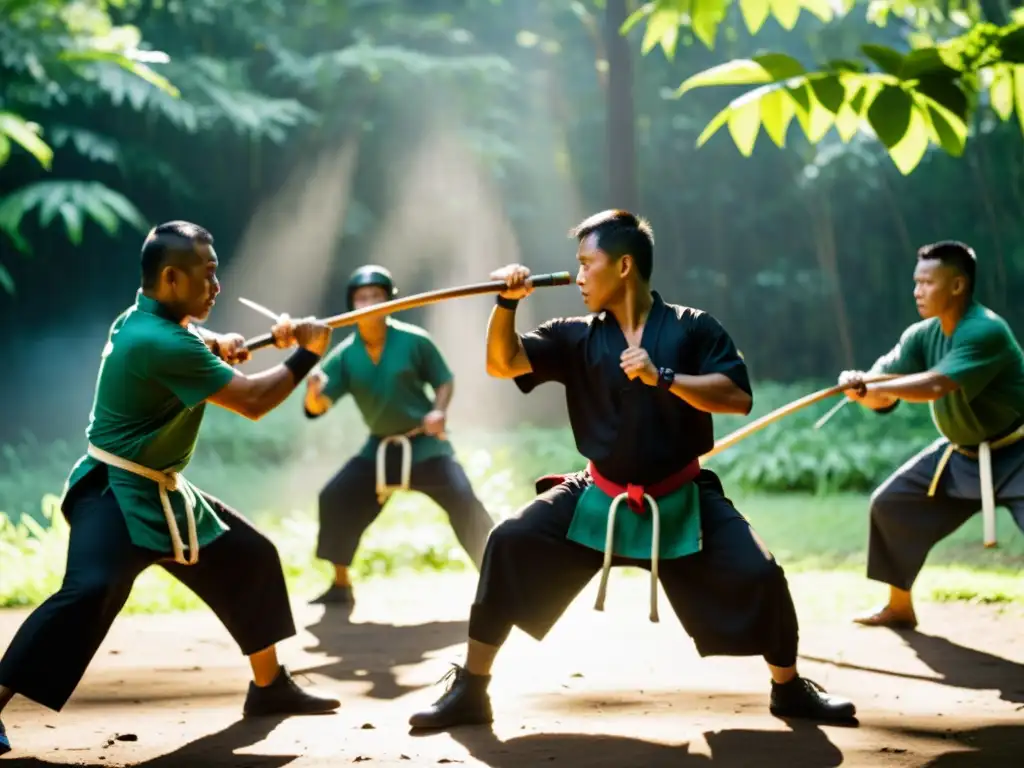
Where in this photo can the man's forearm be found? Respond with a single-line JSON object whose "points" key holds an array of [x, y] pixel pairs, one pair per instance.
{"points": [[270, 388], [443, 396], [712, 393], [503, 342], [916, 388]]}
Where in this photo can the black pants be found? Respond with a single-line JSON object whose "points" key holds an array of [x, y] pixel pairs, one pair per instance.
{"points": [[732, 597], [348, 504], [906, 523], [238, 575]]}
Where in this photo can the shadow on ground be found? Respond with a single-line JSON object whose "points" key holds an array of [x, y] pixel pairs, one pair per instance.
{"points": [[214, 750], [361, 646], [960, 667], [806, 746]]}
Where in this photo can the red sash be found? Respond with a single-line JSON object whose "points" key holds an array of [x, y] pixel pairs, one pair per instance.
{"points": [[635, 493]]}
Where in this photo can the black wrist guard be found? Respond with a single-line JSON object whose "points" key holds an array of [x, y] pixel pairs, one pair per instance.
{"points": [[301, 362], [507, 303], [666, 378]]}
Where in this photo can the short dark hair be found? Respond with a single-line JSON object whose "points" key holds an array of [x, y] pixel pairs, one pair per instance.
{"points": [[618, 233], [952, 253], [170, 243]]}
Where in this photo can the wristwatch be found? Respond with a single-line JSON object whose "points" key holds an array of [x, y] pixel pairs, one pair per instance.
{"points": [[666, 378]]}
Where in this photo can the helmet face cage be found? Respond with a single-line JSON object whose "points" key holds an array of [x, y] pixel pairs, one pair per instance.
{"points": [[371, 275]]}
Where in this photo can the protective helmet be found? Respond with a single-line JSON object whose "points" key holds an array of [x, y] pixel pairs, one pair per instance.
{"points": [[371, 274]]}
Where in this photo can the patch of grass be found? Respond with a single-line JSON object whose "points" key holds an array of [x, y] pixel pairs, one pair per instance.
{"points": [[821, 542]]}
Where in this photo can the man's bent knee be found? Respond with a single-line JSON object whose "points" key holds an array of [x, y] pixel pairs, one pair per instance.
{"points": [[98, 590]]}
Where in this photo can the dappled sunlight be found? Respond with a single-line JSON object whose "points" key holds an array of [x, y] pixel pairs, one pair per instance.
{"points": [[289, 248]]}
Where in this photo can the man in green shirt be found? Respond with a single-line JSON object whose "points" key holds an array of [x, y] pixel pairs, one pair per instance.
{"points": [[127, 504], [964, 361], [385, 366]]}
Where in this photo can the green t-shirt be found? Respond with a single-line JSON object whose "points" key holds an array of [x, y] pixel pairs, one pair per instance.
{"points": [[982, 356], [390, 394], [154, 378]]}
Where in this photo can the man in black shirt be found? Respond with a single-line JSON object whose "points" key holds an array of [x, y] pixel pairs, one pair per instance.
{"points": [[642, 378]]}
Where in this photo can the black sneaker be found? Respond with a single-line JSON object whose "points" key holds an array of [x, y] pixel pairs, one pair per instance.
{"points": [[285, 697], [5, 743], [801, 697], [465, 702], [336, 595]]}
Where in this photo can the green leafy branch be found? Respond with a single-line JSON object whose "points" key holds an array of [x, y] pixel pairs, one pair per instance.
{"points": [[913, 101], [908, 101]]}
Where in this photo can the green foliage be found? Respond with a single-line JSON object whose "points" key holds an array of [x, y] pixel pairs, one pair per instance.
{"points": [[270, 470], [52, 49], [72, 201], [908, 101], [260, 71], [853, 452]]}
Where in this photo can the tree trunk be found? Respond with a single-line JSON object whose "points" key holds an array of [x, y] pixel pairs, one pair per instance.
{"points": [[622, 182]]}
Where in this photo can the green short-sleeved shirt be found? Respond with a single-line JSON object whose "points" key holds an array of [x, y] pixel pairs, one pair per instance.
{"points": [[153, 381], [390, 394], [982, 356]]}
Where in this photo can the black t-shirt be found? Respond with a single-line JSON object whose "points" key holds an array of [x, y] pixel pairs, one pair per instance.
{"points": [[634, 433]]}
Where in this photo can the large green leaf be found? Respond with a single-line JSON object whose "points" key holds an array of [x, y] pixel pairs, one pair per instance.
{"points": [[925, 62], [908, 151], [26, 134], [786, 12], [662, 28], [755, 14], [1001, 91], [705, 18], [889, 114], [946, 92], [136, 68], [814, 118], [889, 60], [947, 129], [744, 124], [777, 112], [765, 68]]}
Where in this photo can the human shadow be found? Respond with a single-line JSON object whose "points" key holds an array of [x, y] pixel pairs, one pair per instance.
{"points": [[214, 749], [806, 745], [995, 746], [960, 666], [369, 652]]}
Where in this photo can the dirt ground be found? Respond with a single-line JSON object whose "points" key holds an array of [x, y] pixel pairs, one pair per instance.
{"points": [[167, 691]]}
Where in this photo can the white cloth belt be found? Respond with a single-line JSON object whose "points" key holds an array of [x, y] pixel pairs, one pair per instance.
{"points": [[166, 481], [384, 490], [602, 589], [984, 459]]}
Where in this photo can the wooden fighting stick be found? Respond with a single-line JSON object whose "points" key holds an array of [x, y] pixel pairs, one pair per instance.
{"points": [[411, 302], [770, 418]]}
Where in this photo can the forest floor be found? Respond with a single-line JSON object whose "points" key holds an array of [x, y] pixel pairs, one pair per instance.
{"points": [[166, 691]]}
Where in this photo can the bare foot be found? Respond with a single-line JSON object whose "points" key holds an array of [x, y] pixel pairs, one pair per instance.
{"points": [[889, 617]]}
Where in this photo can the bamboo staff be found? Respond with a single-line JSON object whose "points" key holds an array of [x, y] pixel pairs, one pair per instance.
{"points": [[410, 302], [770, 418]]}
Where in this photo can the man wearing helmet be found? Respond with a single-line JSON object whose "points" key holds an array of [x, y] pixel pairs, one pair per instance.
{"points": [[384, 365]]}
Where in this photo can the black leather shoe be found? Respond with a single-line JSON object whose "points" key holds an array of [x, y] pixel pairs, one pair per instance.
{"points": [[801, 697], [465, 702], [285, 697]]}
